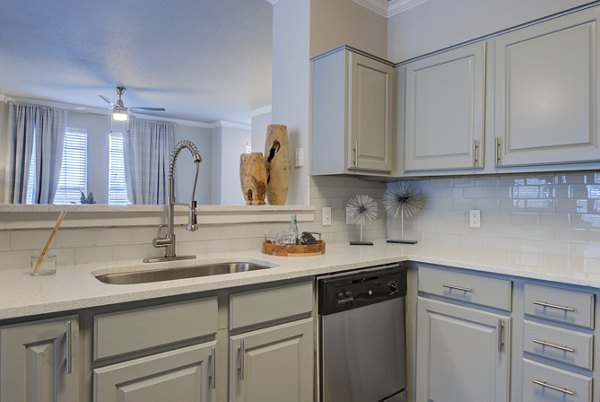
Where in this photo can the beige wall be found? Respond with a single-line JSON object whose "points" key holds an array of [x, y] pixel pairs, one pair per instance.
{"points": [[344, 22], [437, 24]]}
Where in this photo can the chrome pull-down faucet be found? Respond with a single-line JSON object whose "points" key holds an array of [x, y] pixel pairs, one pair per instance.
{"points": [[168, 240]]}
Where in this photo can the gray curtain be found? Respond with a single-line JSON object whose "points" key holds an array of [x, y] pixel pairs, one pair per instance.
{"points": [[41, 127], [146, 148]]}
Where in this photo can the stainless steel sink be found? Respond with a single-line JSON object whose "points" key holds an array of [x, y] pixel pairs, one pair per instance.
{"points": [[169, 274]]}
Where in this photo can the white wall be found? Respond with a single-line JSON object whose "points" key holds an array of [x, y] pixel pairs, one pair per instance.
{"points": [[437, 24], [291, 82], [234, 143], [228, 143], [215, 165], [334, 23], [259, 131]]}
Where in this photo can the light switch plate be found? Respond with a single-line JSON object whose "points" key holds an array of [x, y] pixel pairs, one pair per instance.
{"points": [[474, 218], [299, 157], [326, 216]]}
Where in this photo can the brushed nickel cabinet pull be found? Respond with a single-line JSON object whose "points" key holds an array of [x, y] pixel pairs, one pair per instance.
{"points": [[355, 154], [213, 368], [241, 352], [553, 387], [69, 346], [553, 345], [454, 287], [476, 153], [500, 335], [554, 306], [498, 151]]}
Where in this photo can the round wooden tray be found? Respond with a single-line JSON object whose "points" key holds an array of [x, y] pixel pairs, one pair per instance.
{"points": [[284, 250]]}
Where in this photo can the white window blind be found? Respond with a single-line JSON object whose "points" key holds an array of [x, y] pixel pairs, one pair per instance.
{"points": [[31, 179], [73, 172], [117, 188]]}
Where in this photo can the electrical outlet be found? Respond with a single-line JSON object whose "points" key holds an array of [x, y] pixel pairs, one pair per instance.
{"points": [[326, 216], [475, 218]]}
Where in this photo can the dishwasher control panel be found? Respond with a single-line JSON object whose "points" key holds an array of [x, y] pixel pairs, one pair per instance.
{"points": [[361, 288]]}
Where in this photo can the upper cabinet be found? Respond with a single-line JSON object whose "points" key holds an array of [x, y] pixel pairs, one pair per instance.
{"points": [[546, 92], [445, 114], [525, 100], [352, 114]]}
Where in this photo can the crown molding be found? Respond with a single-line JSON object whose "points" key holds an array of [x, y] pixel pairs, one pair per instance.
{"points": [[399, 6], [388, 8], [261, 110], [229, 124]]}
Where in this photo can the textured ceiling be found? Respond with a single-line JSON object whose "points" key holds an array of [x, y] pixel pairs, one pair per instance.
{"points": [[203, 60]]}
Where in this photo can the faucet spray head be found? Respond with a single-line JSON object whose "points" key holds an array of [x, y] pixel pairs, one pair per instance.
{"points": [[192, 217]]}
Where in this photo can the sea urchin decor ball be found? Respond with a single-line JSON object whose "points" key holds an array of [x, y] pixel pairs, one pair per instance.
{"points": [[403, 198], [361, 208]]}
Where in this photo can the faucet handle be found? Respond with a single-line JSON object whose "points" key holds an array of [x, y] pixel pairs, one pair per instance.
{"points": [[160, 228], [192, 217]]}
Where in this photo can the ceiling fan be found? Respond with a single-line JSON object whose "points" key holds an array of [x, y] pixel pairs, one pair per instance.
{"points": [[120, 112]]}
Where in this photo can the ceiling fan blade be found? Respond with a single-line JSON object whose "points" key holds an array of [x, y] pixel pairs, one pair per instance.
{"points": [[106, 100], [147, 109]]}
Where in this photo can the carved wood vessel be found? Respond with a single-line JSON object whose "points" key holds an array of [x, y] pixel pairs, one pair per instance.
{"points": [[253, 178], [277, 157]]}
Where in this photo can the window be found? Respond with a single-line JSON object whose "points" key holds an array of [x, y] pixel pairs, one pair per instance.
{"points": [[73, 172], [117, 188], [31, 179]]}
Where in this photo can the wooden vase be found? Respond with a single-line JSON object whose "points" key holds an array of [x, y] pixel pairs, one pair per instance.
{"points": [[277, 158], [253, 178]]}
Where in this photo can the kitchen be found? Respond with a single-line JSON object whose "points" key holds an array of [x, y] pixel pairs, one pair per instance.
{"points": [[534, 225]]}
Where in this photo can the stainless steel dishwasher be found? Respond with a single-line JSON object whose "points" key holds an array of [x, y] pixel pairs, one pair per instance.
{"points": [[362, 347]]}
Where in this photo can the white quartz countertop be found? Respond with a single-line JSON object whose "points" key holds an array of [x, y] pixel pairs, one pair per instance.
{"points": [[75, 287]]}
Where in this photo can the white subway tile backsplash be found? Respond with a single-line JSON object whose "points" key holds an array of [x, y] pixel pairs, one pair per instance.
{"points": [[539, 215], [4, 241], [75, 238], [80, 246], [86, 255], [29, 239], [114, 237]]}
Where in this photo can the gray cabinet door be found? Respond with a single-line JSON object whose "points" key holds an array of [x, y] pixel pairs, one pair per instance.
{"points": [[182, 375], [445, 110], [39, 361], [546, 99], [273, 364], [463, 354], [370, 117]]}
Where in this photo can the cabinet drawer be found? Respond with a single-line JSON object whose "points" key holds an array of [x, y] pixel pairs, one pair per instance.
{"points": [[264, 305], [144, 328], [470, 288], [543, 383], [569, 306], [559, 344]]}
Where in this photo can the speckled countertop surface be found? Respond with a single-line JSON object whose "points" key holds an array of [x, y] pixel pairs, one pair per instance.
{"points": [[75, 287]]}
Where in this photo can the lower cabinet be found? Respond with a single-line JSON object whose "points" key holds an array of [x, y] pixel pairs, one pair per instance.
{"points": [[273, 364], [185, 374], [543, 383], [39, 361], [463, 354]]}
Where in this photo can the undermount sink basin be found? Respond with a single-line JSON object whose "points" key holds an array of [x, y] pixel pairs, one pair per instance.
{"points": [[169, 274]]}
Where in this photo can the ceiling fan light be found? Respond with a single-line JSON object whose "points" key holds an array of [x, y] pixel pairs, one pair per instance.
{"points": [[120, 113], [120, 116]]}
